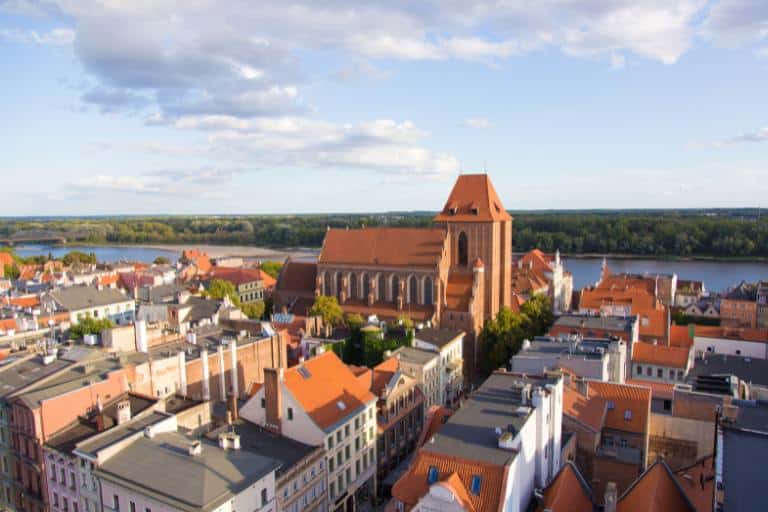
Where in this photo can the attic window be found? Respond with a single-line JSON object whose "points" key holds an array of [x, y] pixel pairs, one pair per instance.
{"points": [[497, 207], [474, 209], [432, 475], [452, 209], [475, 485], [628, 415], [611, 405]]}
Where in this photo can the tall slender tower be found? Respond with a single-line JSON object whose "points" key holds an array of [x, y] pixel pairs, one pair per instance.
{"points": [[480, 227]]}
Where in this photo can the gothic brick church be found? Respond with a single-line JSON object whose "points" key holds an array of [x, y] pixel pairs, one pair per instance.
{"points": [[455, 274]]}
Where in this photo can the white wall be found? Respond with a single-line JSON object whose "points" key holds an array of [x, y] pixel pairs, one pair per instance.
{"points": [[756, 349]]}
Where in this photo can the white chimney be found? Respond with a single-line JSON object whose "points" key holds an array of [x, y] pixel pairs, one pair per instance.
{"points": [[222, 375], [123, 411], [206, 375], [195, 448], [235, 383], [229, 441], [182, 373], [142, 343], [611, 497]]}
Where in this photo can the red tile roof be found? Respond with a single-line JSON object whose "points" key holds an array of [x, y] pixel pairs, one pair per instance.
{"points": [[473, 199], [238, 276], [28, 301], [383, 373], [7, 324], [458, 292], [659, 390], [660, 355], [736, 333], [622, 398], [436, 417], [413, 485], [567, 492], [590, 412], [298, 276], [411, 247], [389, 311], [680, 336], [332, 391], [698, 483], [656, 490]]}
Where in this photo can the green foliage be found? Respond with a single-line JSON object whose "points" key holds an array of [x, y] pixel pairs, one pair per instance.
{"points": [[11, 271], [502, 336], [89, 325], [354, 321], [74, 257], [253, 310], [271, 267], [218, 289], [680, 318], [328, 308], [162, 260]]}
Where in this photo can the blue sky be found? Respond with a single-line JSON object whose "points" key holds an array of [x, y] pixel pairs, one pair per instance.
{"points": [[268, 107]]}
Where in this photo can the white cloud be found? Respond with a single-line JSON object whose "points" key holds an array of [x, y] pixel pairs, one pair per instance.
{"points": [[736, 22], [760, 135], [55, 37], [479, 123], [162, 183]]}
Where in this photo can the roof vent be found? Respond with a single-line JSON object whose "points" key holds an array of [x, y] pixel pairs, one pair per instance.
{"points": [[341, 405], [506, 441], [229, 441], [195, 448]]}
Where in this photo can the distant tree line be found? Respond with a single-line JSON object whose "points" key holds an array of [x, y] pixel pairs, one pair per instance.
{"points": [[657, 233]]}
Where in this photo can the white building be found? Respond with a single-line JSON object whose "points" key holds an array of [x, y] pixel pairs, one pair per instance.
{"points": [[90, 301], [322, 403], [448, 344], [503, 443]]}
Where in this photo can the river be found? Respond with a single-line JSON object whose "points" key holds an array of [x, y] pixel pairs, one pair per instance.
{"points": [[717, 275]]}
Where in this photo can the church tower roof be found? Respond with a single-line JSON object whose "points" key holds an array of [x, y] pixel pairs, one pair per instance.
{"points": [[473, 199]]}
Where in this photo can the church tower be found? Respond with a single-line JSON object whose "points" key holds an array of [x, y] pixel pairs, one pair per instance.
{"points": [[480, 227]]}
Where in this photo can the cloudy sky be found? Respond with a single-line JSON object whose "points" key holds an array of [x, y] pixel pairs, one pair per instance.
{"points": [[212, 106]]}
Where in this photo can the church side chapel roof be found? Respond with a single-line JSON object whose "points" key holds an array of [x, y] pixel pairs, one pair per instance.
{"points": [[412, 247], [473, 199]]}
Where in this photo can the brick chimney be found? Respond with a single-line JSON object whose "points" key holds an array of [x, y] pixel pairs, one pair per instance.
{"points": [[273, 398]]}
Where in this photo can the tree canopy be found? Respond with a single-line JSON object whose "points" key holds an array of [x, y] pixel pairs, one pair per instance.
{"points": [[218, 289], [253, 310], [271, 267], [162, 260], [89, 325], [328, 308]]}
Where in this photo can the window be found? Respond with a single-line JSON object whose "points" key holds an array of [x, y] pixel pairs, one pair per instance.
{"points": [[628, 415], [648, 371], [264, 497], [432, 475], [71, 480], [330, 464], [74, 506], [639, 370], [679, 374], [339, 460], [667, 405], [660, 373], [332, 489], [346, 429], [132, 506], [115, 502], [623, 443], [357, 466], [611, 405], [263, 403], [338, 436], [475, 484], [55, 500], [346, 452], [64, 504], [330, 442], [290, 414], [463, 250]]}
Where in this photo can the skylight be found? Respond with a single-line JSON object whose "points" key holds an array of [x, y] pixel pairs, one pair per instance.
{"points": [[475, 485], [432, 475], [341, 405], [304, 372]]}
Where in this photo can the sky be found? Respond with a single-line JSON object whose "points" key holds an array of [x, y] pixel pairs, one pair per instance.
{"points": [[249, 107]]}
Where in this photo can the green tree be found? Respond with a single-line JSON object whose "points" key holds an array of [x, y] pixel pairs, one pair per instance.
{"points": [[162, 260], [328, 308], [89, 325], [11, 271], [253, 310], [354, 321], [218, 289], [74, 257], [272, 268]]}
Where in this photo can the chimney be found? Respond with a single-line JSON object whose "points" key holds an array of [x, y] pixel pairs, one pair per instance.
{"points": [[229, 441], [195, 448], [273, 378], [611, 497], [206, 375], [233, 370], [123, 411], [182, 373], [232, 406]]}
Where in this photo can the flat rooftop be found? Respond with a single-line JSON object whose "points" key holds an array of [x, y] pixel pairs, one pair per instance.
{"points": [[120, 432], [438, 337], [471, 432], [163, 469], [748, 369], [752, 416], [15, 375], [414, 355], [612, 323]]}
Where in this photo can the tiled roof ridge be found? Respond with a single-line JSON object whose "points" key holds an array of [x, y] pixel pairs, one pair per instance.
{"points": [[670, 475]]}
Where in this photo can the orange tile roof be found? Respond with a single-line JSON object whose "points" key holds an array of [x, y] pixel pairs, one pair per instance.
{"points": [[28, 301], [526, 280], [454, 484], [736, 333], [659, 390], [298, 276], [458, 292], [568, 492], [7, 324], [5, 258], [108, 279], [537, 260], [698, 483], [330, 383], [383, 373], [647, 284], [436, 417], [413, 485], [255, 387], [238, 276], [680, 336], [411, 247], [660, 355], [473, 191], [620, 398], [656, 490], [590, 412], [28, 272]]}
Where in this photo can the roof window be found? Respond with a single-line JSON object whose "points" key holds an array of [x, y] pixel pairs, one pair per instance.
{"points": [[432, 475], [341, 405], [475, 485], [304, 372]]}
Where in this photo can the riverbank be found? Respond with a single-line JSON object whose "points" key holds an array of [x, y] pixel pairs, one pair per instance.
{"points": [[219, 251]]}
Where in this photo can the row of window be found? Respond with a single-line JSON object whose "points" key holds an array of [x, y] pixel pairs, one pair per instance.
{"points": [[387, 287], [64, 503], [361, 465], [306, 477], [673, 374], [63, 477]]}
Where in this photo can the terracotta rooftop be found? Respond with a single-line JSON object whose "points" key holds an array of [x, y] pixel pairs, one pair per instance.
{"points": [[621, 398], [680, 336], [659, 390], [567, 492], [473, 199], [537, 260], [5, 258], [330, 393], [735, 333], [436, 417], [382, 374], [28, 301], [298, 276], [413, 485], [458, 292], [660, 355], [656, 490], [413, 247], [238, 276], [590, 412], [698, 483]]}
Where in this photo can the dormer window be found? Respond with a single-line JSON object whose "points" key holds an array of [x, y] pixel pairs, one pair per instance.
{"points": [[452, 209], [474, 209], [432, 475]]}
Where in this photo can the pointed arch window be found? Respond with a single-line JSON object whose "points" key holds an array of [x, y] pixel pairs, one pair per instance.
{"points": [[463, 249], [428, 287], [366, 286], [395, 288], [413, 290], [382, 288], [353, 291]]}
